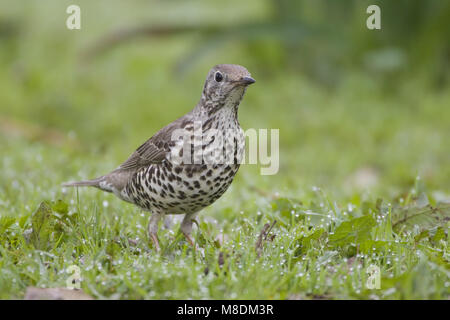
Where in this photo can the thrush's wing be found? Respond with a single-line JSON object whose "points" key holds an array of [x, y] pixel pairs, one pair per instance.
{"points": [[155, 149]]}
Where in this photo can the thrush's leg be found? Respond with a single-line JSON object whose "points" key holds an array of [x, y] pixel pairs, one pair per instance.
{"points": [[153, 229], [186, 227]]}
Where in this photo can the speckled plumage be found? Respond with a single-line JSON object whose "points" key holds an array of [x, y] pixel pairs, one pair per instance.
{"points": [[160, 179]]}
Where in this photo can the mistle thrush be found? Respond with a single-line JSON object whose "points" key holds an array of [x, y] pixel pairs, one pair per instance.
{"points": [[190, 163]]}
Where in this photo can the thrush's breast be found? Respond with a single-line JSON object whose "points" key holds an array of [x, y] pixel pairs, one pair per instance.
{"points": [[188, 184]]}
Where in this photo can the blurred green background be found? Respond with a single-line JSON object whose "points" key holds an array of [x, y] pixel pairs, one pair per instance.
{"points": [[358, 109]]}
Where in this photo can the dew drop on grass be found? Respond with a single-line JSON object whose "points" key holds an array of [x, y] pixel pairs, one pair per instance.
{"points": [[105, 204]]}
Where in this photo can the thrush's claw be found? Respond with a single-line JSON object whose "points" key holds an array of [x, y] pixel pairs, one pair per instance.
{"points": [[190, 240]]}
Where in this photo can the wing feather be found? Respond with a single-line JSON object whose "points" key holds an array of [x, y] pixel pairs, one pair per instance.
{"points": [[155, 149]]}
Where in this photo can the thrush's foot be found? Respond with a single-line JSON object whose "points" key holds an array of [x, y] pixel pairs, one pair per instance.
{"points": [[186, 229], [189, 239], [153, 229], [194, 245]]}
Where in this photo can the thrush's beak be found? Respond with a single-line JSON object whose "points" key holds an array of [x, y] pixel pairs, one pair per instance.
{"points": [[247, 80]]}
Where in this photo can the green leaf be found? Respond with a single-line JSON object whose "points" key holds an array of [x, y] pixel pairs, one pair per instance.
{"points": [[23, 220], [41, 223], [427, 217], [5, 223], [368, 245], [420, 236], [439, 235], [60, 207], [355, 230], [306, 242]]}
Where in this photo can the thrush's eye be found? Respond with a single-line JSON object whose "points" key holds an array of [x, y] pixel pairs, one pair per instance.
{"points": [[218, 76]]}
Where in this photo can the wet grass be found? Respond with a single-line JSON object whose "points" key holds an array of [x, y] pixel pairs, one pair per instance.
{"points": [[317, 247]]}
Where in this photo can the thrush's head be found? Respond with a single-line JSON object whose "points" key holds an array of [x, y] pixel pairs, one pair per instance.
{"points": [[225, 85]]}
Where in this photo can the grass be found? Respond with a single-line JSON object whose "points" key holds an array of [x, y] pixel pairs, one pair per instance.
{"points": [[363, 177]]}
